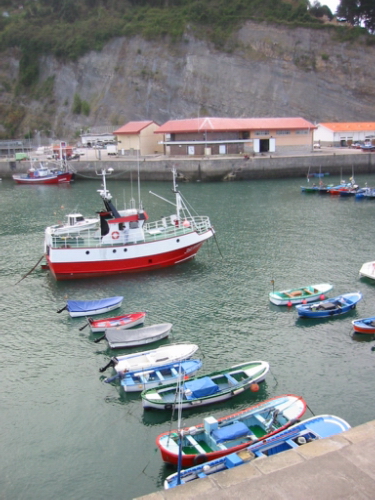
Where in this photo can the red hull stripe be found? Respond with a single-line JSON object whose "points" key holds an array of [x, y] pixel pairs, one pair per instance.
{"points": [[63, 271]]}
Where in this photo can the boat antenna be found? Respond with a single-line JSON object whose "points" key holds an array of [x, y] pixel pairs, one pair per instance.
{"points": [[177, 193], [139, 183]]}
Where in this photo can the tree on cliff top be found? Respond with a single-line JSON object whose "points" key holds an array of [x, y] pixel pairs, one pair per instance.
{"points": [[358, 13]]}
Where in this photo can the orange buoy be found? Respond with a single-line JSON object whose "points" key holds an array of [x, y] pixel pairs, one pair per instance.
{"points": [[254, 387], [289, 304], [322, 297], [304, 301]]}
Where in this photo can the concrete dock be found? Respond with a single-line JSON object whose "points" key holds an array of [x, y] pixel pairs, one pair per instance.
{"points": [[340, 467]]}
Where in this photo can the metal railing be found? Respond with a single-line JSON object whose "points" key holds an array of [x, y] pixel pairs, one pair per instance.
{"points": [[153, 231]]}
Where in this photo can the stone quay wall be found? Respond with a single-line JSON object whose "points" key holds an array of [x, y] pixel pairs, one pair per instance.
{"points": [[215, 169]]}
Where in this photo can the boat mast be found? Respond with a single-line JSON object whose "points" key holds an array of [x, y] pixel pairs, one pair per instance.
{"points": [[177, 193], [180, 430]]}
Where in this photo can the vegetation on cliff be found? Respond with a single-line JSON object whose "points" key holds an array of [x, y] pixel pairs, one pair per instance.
{"points": [[67, 29], [70, 28]]}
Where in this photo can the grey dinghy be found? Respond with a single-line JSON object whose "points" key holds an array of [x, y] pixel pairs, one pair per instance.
{"points": [[213, 388], [118, 339]]}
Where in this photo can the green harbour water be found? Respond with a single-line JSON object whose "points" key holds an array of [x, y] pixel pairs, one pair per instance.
{"points": [[67, 434]]}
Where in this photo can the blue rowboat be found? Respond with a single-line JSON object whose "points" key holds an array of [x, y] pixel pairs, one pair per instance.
{"points": [[78, 308], [329, 307], [300, 434], [140, 380]]}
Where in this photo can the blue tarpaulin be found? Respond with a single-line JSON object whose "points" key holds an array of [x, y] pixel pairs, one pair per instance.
{"points": [[91, 305], [200, 388], [232, 431]]}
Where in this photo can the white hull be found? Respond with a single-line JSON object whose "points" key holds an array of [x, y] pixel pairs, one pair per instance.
{"points": [[158, 402], [368, 270], [278, 299], [156, 357]]}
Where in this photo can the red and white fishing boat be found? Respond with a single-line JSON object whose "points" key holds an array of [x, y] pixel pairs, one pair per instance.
{"points": [[126, 242], [45, 175]]}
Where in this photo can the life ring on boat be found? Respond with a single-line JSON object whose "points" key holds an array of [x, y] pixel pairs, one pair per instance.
{"points": [[200, 459], [115, 235]]}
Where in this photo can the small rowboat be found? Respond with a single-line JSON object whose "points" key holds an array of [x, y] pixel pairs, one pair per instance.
{"points": [[122, 322], [118, 338], [214, 388], [216, 438], [297, 435], [147, 379], [300, 295], [79, 308], [364, 325], [368, 270], [146, 360], [330, 307]]}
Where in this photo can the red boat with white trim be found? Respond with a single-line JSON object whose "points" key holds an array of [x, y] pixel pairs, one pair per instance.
{"points": [[364, 325], [122, 322], [126, 242], [45, 175]]}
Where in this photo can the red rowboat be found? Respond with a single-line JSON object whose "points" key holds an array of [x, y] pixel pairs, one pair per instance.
{"points": [[216, 438], [364, 325], [121, 322]]}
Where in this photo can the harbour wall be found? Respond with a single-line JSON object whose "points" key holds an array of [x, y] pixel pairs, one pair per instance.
{"points": [[337, 467], [158, 168]]}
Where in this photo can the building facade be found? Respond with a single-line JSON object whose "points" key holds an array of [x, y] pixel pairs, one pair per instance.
{"points": [[139, 138], [236, 136], [344, 134]]}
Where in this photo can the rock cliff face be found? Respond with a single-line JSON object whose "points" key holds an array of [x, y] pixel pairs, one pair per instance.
{"points": [[270, 71]]}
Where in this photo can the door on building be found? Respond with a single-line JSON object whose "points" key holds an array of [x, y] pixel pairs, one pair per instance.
{"points": [[191, 150], [222, 149], [264, 145]]}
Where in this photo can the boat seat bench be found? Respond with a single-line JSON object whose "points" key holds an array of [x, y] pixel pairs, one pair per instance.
{"points": [[231, 380], [194, 443]]}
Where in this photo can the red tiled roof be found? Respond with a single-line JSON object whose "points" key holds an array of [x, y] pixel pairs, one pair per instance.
{"points": [[232, 124], [133, 127], [350, 126]]}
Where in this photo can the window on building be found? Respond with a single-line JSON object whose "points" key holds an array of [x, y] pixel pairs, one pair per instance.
{"points": [[282, 132], [262, 132], [302, 132]]}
